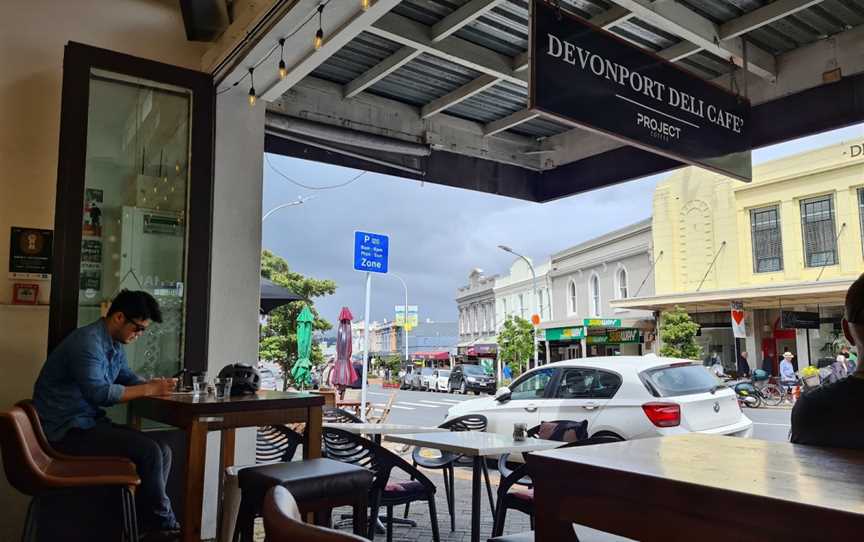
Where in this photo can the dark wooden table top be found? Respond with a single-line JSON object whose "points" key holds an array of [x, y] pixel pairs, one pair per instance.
{"points": [[820, 477], [208, 404]]}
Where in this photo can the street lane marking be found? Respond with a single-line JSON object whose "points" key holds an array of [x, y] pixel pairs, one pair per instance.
{"points": [[439, 403], [400, 407], [417, 404], [774, 424], [376, 393], [453, 401]]}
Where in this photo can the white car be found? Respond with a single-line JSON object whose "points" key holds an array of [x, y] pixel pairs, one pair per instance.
{"points": [[625, 396], [441, 380]]}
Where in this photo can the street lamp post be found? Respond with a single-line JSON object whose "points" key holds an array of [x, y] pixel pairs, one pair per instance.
{"points": [[299, 201], [533, 287], [405, 324]]}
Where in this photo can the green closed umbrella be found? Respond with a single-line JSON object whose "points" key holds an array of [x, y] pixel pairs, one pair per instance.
{"points": [[302, 369]]}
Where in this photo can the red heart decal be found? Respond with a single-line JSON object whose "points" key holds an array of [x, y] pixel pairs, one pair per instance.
{"points": [[738, 316]]}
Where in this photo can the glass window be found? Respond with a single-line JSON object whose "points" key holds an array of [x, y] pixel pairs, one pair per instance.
{"points": [[571, 296], [767, 243], [595, 295], [622, 284], [680, 380], [476, 320], [861, 214], [817, 226], [521, 305], [588, 383], [504, 308], [532, 386], [576, 383], [484, 320], [134, 233]]}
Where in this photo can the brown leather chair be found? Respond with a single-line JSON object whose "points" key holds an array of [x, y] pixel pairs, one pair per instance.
{"points": [[41, 472], [282, 522]]}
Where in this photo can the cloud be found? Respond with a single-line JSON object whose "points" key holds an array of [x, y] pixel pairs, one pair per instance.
{"points": [[437, 234]]}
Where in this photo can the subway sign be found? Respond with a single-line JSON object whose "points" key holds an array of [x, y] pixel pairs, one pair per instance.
{"points": [[586, 77], [602, 322], [616, 336]]}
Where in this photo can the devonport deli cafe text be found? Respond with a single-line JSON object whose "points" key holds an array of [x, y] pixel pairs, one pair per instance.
{"points": [[583, 59]]}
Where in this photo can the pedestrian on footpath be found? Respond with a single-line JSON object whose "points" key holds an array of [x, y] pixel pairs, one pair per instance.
{"points": [[787, 372], [831, 415], [743, 365]]}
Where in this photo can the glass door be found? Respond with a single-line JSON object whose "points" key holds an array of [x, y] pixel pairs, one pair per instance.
{"points": [[133, 206]]}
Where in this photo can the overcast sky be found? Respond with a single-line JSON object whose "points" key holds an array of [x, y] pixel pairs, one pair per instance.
{"points": [[439, 234]]}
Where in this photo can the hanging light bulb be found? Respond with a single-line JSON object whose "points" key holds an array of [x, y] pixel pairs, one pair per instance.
{"points": [[252, 97], [283, 71], [319, 36], [364, 4]]}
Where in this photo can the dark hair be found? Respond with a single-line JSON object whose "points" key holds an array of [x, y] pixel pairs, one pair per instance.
{"points": [[137, 305], [855, 302]]}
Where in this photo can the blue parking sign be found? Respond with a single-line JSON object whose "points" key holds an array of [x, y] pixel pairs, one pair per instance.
{"points": [[370, 252]]}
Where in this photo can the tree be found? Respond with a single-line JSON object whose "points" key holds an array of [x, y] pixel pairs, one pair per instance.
{"points": [[678, 334], [515, 343], [278, 340]]}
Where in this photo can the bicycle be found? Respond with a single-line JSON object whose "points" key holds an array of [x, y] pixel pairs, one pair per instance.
{"points": [[772, 394]]}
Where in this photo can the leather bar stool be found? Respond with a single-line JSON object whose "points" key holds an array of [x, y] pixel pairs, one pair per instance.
{"points": [[318, 485], [42, 472], [282, 522]]}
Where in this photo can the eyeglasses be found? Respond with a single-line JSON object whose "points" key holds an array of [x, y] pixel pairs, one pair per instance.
{"points": [[138, 327]]}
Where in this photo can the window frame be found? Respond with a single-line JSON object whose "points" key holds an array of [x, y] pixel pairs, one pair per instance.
{"points": [[572, 298], [594, 301], [756, 250], [860, 193], [622, 284], [833, 213], [548, 393], [78, 62], [592, 394]]}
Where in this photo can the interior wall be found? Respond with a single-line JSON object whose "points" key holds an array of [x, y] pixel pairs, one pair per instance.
{"points": [[32, 36]]}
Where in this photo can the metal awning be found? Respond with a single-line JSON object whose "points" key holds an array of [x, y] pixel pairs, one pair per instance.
{"points": [[809, 294], [436, 90]]}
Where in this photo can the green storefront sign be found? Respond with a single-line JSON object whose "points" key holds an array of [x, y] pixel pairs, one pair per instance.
{"points": [[565, 334], [616, 336], [602, 322]]}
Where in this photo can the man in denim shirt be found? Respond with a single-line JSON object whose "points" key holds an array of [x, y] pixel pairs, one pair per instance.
{"points": [[88, 370]]}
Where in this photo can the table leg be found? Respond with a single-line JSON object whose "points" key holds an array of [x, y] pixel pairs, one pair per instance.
{"points": [[193, 502], [226, 459], [312, 444], [475, 498]]}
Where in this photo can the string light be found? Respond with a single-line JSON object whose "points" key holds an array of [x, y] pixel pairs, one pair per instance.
{"points": [[252, 96], [283, 71], [319, 36], [364, 4]]}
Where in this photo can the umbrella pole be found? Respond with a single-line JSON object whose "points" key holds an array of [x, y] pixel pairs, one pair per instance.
{"points": [[363, 378]]}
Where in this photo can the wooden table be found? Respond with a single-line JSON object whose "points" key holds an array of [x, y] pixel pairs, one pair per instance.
{"points": [[476, 445], [349, 405], [199, 414], [700, 487]]}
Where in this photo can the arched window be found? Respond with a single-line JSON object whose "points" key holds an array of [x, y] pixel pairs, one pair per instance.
{"points": [[595, 295], [571, 297], [621, 279]]}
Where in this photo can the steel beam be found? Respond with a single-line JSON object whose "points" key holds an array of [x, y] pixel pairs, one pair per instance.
{"points": [[465, 15], [514, 119], [763, 16], [380, 71], [453, 49], [677, 19], [460, 94], [350, 25]]}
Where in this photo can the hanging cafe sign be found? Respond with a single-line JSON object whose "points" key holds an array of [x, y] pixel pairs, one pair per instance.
{"points": [[590, 78]]}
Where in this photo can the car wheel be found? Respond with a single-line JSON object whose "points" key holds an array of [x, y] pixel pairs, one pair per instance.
{"points": [[462, 389], [476, 392]]}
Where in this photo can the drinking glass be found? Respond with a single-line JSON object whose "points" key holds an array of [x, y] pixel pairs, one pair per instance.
{"points": [[222, 387], [520, 431], [199, 384]]}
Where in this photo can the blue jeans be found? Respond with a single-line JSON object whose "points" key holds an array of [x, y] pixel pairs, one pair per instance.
{"points": [[152, 460]]}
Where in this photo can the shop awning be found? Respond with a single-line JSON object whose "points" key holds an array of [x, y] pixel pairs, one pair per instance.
{"points": [[829, 292], [436, 356], [273, 296]]}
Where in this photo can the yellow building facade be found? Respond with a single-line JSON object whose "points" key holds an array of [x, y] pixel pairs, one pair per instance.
{"points": [[789, 240]]}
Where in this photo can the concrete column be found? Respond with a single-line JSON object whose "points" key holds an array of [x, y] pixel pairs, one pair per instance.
{"points": [[236, 263]]}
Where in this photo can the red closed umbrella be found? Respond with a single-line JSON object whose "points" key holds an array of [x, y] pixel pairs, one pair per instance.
{"points": [[343, 370]]}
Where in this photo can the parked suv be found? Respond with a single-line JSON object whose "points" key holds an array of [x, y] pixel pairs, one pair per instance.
{"points": [[466, 377]]}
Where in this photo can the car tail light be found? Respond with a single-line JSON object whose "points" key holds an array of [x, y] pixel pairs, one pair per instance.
{"points": [[663, 414]]}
